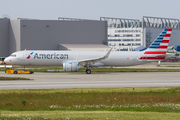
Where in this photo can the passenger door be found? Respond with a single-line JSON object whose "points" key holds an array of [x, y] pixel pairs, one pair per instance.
{"points": [[23, 56]]}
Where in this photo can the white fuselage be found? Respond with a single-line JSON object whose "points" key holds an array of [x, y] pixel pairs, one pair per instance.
{"points": [[57, 58]]}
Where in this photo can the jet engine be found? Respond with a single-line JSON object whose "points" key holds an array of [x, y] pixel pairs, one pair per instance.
{"points": [[72, 67]]}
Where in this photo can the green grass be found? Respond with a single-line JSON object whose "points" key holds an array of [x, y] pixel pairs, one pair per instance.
{"points": [[165, 99], [86, 115], [13, 78], [87, 90], [161, 103], [132, 70], [97, 69]]}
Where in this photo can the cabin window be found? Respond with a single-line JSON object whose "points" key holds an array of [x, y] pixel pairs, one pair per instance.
{"points": [[13, 55]]}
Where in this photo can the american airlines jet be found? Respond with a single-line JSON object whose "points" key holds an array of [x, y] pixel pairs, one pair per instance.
{"points": [[75, 60]]}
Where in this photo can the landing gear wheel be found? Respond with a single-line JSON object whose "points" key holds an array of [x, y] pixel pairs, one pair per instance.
{"points": [[31, 72], [15, 72], [88, 71]]}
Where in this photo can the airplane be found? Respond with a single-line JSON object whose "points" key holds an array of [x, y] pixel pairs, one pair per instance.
{"points": [[75, 60]]}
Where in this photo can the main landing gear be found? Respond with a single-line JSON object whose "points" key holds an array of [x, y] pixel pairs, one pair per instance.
{"points": [[88, 71]]}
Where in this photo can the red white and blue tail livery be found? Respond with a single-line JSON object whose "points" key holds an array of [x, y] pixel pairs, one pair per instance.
{"points": [[157, 50]]}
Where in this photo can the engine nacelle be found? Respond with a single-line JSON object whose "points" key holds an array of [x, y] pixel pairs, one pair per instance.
{"points": [[72, 67], [177, 48]]}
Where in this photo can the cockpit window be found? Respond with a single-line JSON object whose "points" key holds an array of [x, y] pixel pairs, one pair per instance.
{"points": [[13, 55]]}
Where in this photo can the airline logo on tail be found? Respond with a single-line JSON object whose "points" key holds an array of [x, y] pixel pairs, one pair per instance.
{"points": [[29, 56], [157, 50]]}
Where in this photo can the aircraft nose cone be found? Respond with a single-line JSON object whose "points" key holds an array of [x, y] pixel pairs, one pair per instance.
{"points": [[6, 60]]}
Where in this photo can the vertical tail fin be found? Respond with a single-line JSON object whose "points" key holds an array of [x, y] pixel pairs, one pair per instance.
{"points": [[157, 50]]}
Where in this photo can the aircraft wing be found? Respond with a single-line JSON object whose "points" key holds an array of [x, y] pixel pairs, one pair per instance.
{"points": [[93, 60]]}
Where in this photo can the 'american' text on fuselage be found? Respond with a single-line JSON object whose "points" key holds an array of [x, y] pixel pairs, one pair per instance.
{"points": [[50, 56]]}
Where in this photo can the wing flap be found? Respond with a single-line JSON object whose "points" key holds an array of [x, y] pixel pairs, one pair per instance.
{"points": [[93, 60]]}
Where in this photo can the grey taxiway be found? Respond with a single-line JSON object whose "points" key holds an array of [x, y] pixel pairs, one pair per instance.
{"points": [[94, 80]]}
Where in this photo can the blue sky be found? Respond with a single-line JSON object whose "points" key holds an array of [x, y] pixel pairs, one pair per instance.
{"points": [[89, 9]]}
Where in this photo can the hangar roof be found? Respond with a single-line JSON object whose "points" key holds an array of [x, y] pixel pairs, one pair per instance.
{"points": [[84, 47]]}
